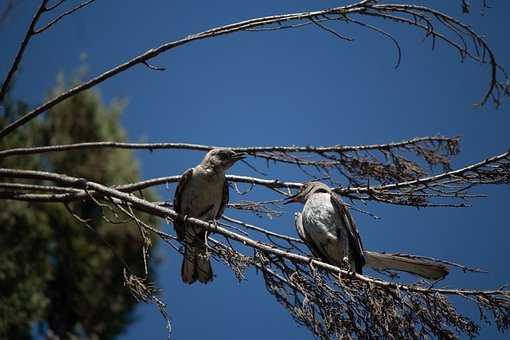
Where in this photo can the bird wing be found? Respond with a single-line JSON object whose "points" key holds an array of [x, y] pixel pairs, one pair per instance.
{"points": [[224, 200], [354, 238], [298, 222], [179, 226]]}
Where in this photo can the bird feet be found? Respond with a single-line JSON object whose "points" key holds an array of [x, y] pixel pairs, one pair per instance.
{"points": [[347, 265]]}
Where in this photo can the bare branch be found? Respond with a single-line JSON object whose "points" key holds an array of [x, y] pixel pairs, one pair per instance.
{"points": [[327, 29], [452, 141], [61, 16], [19, 55], [316, 283], [450, 185], [152, 67], [22, 186], [390, 164], [386, 34], [55, 5], [361, 8], [154, 209]]}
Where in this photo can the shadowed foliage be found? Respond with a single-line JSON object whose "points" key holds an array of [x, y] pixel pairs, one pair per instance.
{"points": [[55, 271]]}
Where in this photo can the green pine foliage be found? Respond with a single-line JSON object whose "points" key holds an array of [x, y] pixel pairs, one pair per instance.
{"points": [[58, 276]]}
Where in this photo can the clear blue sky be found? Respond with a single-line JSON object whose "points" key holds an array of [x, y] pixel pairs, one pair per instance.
{"points": [[300, 87]]}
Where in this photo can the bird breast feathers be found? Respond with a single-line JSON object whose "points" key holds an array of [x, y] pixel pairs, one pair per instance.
{"points": [[201, 193], [320, 217]]}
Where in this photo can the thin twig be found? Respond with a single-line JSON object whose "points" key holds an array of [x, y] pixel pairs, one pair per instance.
{"points": [[61, 16], [19, 55]]}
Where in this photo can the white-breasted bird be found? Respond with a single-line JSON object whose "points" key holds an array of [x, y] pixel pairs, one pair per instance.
{"points": [[202, 193], [328, 229]]}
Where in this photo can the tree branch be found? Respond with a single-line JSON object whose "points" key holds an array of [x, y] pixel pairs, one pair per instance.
{"points": [[148, 207], [61, 16], [382, 163], [493, 170], [201, 147], [335, 292], [19, 55], [362, 8]]}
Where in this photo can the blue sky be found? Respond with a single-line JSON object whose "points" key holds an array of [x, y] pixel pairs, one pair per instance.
{"points": [[300, 87]]}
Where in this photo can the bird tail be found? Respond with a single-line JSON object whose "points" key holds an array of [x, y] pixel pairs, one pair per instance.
{"points": [[424, 268], [196, 264]]}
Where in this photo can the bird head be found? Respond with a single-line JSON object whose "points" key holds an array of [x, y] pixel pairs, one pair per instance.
{"points": [[307, 190], [222, 158]]}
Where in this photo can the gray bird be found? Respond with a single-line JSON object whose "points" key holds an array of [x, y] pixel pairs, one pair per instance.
{"points": [[202, 193], [328, 229]]}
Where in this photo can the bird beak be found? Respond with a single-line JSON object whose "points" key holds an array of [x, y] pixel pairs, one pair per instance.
{"points": [[238, 156], [292, 199]]}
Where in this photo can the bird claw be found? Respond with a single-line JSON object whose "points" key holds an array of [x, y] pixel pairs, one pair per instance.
{"points": [[348, 266], [214, 223]]}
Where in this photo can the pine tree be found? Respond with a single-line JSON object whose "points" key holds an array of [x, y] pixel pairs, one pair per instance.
{"points": [[57, 273]]}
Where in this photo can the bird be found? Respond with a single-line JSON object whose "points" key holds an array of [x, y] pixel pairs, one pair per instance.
{"points": [[326, 226], [202, 193]]}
